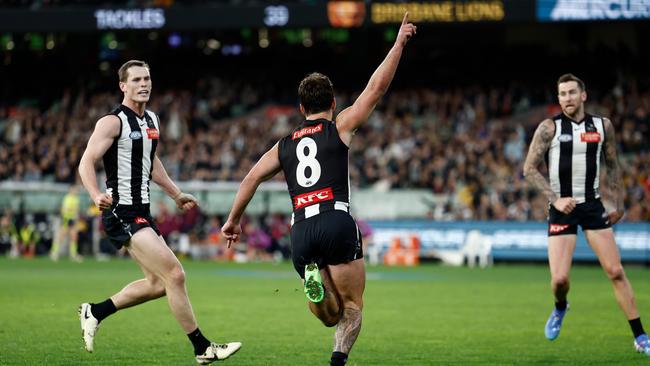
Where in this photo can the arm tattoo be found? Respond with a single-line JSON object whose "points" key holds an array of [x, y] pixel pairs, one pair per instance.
{"points": [[538, 148], [613, 176], [347, 330]]}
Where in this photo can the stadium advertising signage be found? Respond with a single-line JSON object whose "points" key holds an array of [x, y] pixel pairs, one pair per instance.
{"points": [[508, 240], [453, 11], [575, 10], [130, 18], [438, 11], [343, 14], [185, 18]]}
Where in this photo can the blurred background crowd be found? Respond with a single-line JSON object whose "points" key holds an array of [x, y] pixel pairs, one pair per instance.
{"points": [[469, 143]]}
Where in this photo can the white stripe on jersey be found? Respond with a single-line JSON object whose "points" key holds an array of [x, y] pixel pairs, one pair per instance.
{"points": [[578, 163], [146, 156], [313, 210], [600, 126], [124, 147]]}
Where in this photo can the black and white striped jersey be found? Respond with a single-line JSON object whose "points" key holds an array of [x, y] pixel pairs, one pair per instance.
{"points": [[573, 158], [129, 160], [315, 165]]}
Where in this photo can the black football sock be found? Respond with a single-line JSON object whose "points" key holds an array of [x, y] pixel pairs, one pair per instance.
{"points": [[199, 342], [338, 359], [103, 309], [560, 305], [637, 327]]}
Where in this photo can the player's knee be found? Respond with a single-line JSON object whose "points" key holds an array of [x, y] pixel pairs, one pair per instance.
{"points": [[561, 281], [176, 276], [330, 321], [615, 272], [354, 305]]}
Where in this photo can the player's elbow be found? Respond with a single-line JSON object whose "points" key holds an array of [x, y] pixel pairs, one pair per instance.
{"points": [[83, 163], [155, 175], [252, 180], [528, 171]]}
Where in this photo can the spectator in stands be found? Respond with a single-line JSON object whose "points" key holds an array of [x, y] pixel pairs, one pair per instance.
{"points": [[8, 235], [28, 238]]}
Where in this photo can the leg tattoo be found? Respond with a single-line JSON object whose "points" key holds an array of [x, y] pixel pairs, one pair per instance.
{"points": [[347, 330]]}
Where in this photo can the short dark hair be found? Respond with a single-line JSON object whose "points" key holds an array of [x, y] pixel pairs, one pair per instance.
{"points": [[570, 77], [316, 93], [123, 72]]}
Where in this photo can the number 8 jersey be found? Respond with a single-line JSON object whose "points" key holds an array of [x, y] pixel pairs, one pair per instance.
{"points": [[315, 165]]}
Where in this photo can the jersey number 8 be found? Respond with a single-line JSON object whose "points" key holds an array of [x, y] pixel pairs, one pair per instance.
{"points": [[308, 160]]}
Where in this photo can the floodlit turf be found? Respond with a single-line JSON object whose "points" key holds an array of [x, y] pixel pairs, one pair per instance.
{"points": [[431, 315]]}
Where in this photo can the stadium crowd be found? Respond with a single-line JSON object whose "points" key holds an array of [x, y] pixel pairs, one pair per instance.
{"points": [[466, 145]]}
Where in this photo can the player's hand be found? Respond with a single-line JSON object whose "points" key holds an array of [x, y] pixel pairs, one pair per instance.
{"points": [[406, 31], [185, 201], [103, 201], [565, 205], [231, 232], [615, 216]]}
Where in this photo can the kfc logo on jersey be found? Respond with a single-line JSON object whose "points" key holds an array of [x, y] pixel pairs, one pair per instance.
{"points": [[152, 133], [557, 228], [310, 198], [141, 220], [590, 137], [307, 131]]}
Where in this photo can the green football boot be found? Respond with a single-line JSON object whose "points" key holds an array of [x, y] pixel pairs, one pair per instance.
{"points": [[313, 283]]}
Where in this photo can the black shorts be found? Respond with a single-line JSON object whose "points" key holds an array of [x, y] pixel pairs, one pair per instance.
{"points": [[121, 222], [589, 215], [331, 237]]}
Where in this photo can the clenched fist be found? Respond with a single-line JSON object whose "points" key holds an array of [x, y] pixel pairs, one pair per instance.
{"points": [[185, 201], [103, 201]]}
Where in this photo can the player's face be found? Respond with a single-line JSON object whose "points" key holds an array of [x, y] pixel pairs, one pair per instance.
{"points": [[138, 85], [570, 97]]}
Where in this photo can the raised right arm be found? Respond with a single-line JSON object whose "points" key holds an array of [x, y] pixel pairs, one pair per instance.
{"points": [[106, 129], [538, 148], [355, 115]]}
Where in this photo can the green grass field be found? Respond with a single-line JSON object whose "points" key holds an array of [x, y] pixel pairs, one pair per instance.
{"points": [[431, 315]]}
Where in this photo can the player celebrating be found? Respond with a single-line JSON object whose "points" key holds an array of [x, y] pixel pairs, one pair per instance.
{"points": [[326, 249], [127, 139], [573, 142]]}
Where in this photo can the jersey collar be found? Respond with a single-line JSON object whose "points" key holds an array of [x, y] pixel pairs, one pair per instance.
{"points": [[313, 122]]}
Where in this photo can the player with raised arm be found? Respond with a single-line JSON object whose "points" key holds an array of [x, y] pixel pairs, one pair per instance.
{"points": [[326, 246]]}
